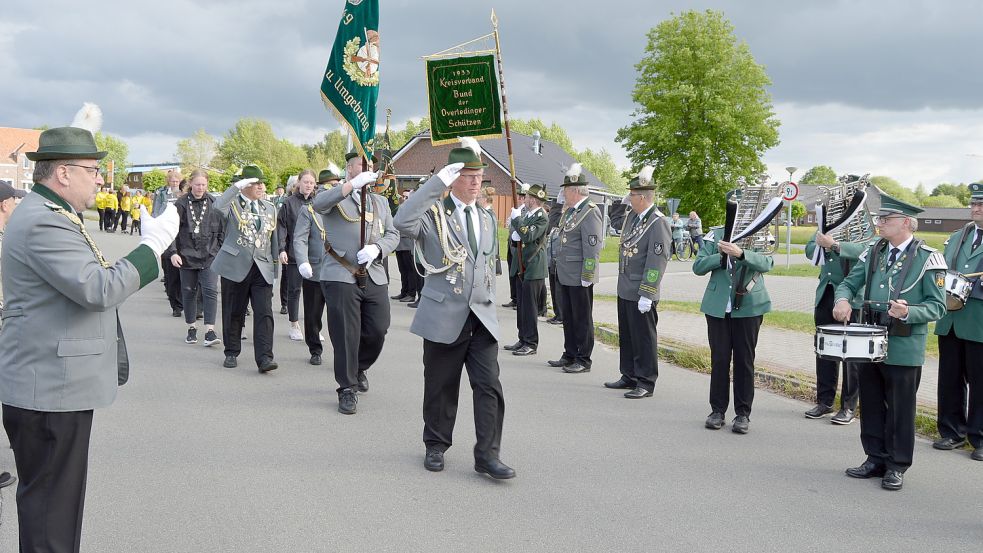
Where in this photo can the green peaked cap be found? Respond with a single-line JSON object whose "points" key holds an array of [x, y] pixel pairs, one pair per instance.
{"points": [[976, 192], [252, 172], [891, 205]]}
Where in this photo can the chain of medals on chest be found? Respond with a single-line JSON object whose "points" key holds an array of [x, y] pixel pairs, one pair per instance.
{"points": [[457, 273], [196, 220], [249, 235], [629, 244], [897, 267]]}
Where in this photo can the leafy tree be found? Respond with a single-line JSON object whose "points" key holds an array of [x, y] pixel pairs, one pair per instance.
{"points": [[253, 141], [942, 200], [600, 163], [219, 181], [920, 192], [154, 180], [704, 117], [118, 152], [798, 212], [820, 174], [197, 151], [894, 189], [958, 191], [331, 148]]}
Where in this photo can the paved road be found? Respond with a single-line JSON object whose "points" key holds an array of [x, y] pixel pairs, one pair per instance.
{"points": [[195, 457]]}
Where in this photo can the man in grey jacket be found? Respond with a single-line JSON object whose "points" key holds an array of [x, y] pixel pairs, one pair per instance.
{"points": [[62, 352], [456, 317]]}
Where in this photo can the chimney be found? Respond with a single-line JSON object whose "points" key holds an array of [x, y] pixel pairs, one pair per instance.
{"points": [[537, 146]]}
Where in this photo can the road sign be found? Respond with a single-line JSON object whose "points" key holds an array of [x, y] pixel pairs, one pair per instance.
{"points": [[790, 192]]}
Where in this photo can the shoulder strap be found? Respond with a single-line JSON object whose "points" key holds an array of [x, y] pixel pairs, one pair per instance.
{"points": [[910, 255], [962, 240], [873, 259]]}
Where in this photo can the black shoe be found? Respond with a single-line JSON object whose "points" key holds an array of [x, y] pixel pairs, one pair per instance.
{"points": [[211, 338], [363, 382], [555, 321], [947, 444], [230, 362], [434, 460], [269, 365], [561, 362], [249, 312], [638, 393], [494, 468], [977, 454], [843, 417], [715, 421], [819, 411], [315, 359], [513, 347], [283, 309], [741, 424], [398, 297], [525, 350], [867, 470], [199, 316], [574, 368], [347, 399], [621, 384], [176, 312], [509, 304], [6, 479], [408, 299], [192, 336], [415, 304], [893, 480]]}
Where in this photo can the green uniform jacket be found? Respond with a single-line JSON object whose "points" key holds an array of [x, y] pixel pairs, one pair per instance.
{"points": [[832, 272], [968, 321], [532, 235], [923, 285], [722, 285]]}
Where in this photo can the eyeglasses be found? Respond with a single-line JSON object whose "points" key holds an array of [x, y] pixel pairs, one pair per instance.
{"points": [[95, 170], [883, 219]]}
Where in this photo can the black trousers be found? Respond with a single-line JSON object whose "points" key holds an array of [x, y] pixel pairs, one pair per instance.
{"points": [[102, 218], [108, 216], [578, 323], [172, 282], [294, 284], [732, 338], [404, 262], [514, 285], [51, 451], [121, 218], [887, 423], [357, 324], [313, 313], [236, 296], [418, 275], [961, 389], [639, 343], [555, 295], [529, 297], [476, 350], [283, 286], [827, 370]]}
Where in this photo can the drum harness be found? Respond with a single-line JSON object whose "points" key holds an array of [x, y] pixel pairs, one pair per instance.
{"points": [[977, 288], [895, 327]]}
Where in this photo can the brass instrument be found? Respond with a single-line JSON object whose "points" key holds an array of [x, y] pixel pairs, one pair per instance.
{"points": [[755, 221], [837, 201]]}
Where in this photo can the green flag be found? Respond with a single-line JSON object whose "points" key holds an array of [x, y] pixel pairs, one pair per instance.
{"points": [[350, 86], [463, 97]]}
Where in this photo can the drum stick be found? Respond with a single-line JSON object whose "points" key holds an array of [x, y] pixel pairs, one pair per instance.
{"points": [[972, 275], [872, 302]]}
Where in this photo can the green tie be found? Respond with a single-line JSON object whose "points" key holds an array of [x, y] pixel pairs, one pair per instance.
{"points": [[257, 221], [472, 241], [570, 214]]}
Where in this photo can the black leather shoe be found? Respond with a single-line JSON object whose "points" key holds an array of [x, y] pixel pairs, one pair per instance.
{"points": [[347, 400], [555, 321], [638, 393], [524, 350], [574, 368], [509, 304], [408, 299], [230, 362], [561, 362], [434, 460], [494, 468], [363, 382], [415, 304], [715, 421], [741, 424], [622, 384], [6, 479], [268, 366], [947, 444], [867, 470], [893, 480], [315, 359], [176, 312], [398, 297], [977, 454], [819, 411], [843, 417], [513, 347]]}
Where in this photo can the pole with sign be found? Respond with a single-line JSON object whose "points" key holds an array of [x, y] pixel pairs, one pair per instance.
{"points": [[790, 192]]}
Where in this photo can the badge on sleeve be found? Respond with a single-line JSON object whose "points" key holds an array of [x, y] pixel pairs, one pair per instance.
{"points": [[652, 275], [589, 264], [940, 279], [658, 249], [592, 239]]}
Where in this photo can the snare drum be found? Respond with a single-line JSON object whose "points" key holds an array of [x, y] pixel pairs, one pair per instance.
{"points": [[853, 342], [957, 290]]}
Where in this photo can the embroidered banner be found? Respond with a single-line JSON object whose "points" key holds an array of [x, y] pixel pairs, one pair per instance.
{"points": [[464, 99]]}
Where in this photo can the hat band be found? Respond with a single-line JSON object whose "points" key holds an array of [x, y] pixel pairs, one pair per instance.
{"points": [[67, 149]]}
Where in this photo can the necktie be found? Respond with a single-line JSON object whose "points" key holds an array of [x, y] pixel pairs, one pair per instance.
{"points": [[472, 241], [569, 214], [893, 258], [255, 211], [979, 238]]}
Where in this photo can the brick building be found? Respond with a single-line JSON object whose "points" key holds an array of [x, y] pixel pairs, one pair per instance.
{"points": [[15, 168]]}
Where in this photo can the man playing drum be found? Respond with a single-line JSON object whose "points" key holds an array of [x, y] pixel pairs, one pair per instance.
{"points": [[961, 341], [904, 280]]}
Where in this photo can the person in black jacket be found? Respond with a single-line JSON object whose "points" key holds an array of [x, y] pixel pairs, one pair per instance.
{"points": [[198, 240], [299, 200]]}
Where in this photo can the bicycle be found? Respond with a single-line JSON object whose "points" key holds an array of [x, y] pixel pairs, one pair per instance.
{"points": [[685, 249]]}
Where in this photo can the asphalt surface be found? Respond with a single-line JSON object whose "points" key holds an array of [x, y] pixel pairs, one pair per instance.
{"points": [[196, 457]]}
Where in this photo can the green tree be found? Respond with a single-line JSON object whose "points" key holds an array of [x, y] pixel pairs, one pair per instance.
{"points": [[197, 151], [253, 141], [894, 189], [942, 200], [118, 153], [703, 116], [958, 191], [920, 192], [600, 163], [332, 148], [154, 180], [798, 212], [820, 174]]}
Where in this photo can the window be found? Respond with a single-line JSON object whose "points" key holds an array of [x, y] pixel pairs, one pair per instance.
{"points": [[938, 221], [27, 163], [928, 221], [809, 219]]}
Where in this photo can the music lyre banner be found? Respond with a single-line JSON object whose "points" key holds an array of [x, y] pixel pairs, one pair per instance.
{"points": [[463, 98]]}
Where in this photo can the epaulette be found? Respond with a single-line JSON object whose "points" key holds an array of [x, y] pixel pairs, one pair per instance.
{"points": [[927, 248], [935, 261], [591, 204]]}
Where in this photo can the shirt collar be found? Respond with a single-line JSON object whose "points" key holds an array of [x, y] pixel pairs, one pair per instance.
{"points": [[460, 205], [577, 205], [904, 245], [643, 214]]}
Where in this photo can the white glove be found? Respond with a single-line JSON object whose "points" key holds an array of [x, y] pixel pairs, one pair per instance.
{"points": [[362, 179], [449, 173], [306, 270], [367, 254], [644, 305], [245, 182], [515, 236], [158, 232], [585, 283], [516, 212]]}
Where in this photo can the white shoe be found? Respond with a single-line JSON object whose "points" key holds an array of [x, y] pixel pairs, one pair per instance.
{"points": [[321, 337], [296, 335]]}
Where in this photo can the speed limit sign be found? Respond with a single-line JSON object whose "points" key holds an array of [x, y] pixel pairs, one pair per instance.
{"points": [[790, 192]]}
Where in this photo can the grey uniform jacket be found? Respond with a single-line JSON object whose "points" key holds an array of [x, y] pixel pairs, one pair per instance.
{"points": [[162, 197], [61, 347], [578, 247], [341, 222], [309, 235], [244, 244], [643, 256], [444, 306]]}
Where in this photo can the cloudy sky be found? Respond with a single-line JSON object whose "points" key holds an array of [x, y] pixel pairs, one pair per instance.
{"points": [[891, 87]]}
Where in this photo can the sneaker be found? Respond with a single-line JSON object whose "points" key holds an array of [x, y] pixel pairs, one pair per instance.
{"points": [[843, 417], [296, 335], [347, 400], [192, 336], [320, 337], [211, 338]]}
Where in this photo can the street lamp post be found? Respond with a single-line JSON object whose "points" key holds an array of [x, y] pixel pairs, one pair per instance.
{"points": [[788, 222]]}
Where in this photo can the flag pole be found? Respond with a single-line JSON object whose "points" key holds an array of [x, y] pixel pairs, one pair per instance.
{"points": [[508, 130]]}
